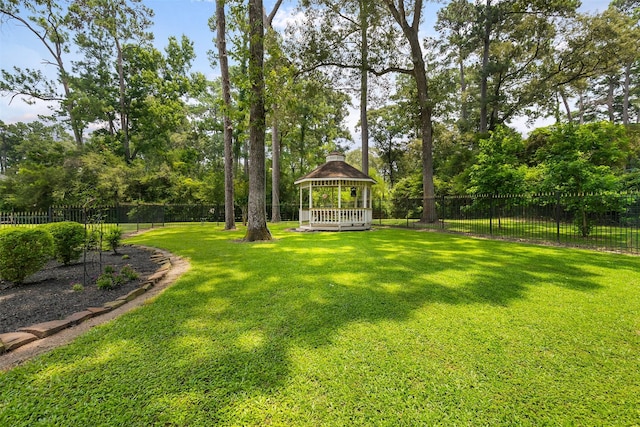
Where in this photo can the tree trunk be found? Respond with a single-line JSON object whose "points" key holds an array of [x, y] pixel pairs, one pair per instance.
{"points": [[625, 93], [464, 110], [256, 213], [275, 169], [3, 154], [610, 89], [364, 85], [429, 212], [75, 123], [567, 107], [124, 125], [484, 73], [275, 136], [221, 42]]}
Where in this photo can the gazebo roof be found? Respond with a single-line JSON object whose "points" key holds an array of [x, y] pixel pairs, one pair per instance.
{"points": [[335, 168]]}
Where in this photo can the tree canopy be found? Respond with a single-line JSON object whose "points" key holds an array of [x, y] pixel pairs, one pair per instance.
{"points": [[131, 121]]}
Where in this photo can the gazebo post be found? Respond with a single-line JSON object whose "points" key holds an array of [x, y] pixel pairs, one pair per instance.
{"points": [[364, 198], [339, 205], [310, 202], [300, 216]]}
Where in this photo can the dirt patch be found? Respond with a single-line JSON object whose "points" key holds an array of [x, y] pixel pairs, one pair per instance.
{"points": [[50, 295]]}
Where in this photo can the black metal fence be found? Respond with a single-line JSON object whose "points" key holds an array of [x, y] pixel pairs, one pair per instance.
{"points": [[609, 221], [144, 215]]}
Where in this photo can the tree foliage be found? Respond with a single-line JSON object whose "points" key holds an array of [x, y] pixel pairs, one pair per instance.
{"points": [[132, 122]]}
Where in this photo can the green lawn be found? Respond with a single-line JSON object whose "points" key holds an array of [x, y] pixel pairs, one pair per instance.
{"points": [[388, 327]]}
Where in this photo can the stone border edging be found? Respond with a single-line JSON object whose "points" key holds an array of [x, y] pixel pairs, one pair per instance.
{"points": [[12, 340]]}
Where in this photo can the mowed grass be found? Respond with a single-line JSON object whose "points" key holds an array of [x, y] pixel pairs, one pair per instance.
{"points": [[388, 327]]}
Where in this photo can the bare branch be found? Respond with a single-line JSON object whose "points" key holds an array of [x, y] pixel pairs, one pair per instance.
{"points": [[417, 11], [272, 15]]}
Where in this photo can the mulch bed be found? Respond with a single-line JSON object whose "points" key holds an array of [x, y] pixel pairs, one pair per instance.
{"points": [[49, 294]]}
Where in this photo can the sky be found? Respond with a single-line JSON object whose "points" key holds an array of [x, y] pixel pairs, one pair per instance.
{"points": [[19, 48]]}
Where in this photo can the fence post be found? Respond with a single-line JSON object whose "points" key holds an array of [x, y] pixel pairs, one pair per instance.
{"points": [[407, 213], [443, 213], [491, 214], [557, 216]]}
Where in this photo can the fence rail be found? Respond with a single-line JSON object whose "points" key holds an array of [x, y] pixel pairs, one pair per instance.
{"points": [[609, 221], [145, 215]]}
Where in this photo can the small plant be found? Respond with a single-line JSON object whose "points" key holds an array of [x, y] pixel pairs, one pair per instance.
{"points": [[105, 281], [77, 287], [23, 251], [110, 279], [125, 257], [118, 280], [128, 272], [113, 238]]}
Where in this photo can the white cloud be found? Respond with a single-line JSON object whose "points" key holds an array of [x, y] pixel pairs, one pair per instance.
{"points": [[18, 111], [286, 17]]}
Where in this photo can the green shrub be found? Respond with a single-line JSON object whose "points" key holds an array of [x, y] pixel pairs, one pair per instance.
{"points": [[77, 287], [105, 281], [128, 272], [23, 251], [110, 279], [118, 280], [113, 237], [68, 238]]}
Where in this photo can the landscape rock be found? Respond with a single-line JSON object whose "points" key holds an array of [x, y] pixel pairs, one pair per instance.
{"points": [[45, 329], [13, 340], [97, 311], [112, 305], [79, 317], [157, 276], [133, 294]]}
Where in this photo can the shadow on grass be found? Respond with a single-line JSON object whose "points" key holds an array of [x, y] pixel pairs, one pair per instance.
{"points": [[218, 342]]}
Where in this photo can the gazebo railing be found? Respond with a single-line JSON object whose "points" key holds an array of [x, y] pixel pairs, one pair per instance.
{"points": [[336, 216]]}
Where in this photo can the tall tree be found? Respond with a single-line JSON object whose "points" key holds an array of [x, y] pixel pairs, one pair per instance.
{"points": [[515, 37], [355, 36], [618, 34], [456, 24], [221, 43], [113, 25], [391, 134], [279, 73], [48, 22], [256, 214], [409, 21]]}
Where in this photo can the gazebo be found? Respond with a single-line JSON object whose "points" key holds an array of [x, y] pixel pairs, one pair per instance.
{"points": [[335, 197]]}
